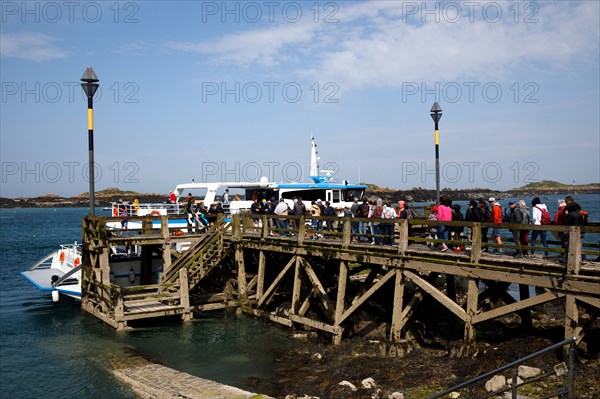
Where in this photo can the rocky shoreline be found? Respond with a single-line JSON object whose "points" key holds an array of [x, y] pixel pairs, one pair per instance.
{"points": [[365, 368]]}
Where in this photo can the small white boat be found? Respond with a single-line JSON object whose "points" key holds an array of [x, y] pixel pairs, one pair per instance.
{"points": [[58, 272]]}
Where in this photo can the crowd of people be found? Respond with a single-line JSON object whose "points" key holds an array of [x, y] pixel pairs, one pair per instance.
{"points": [[518, 215], [377, 231]]}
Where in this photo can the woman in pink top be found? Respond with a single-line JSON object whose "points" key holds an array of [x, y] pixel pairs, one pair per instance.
{"points": [[444, 215]]}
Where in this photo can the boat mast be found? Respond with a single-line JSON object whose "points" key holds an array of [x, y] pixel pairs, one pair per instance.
{"points": [[314, 159]]}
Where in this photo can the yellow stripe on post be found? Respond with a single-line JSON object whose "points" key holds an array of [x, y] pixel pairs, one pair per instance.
{"points": [[437, 138], [90, 119]]}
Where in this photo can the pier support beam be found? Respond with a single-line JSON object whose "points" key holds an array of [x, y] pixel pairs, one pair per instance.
{"points": [[241, 273], [472, 300], [397, 322], [339, 302], [185, 294]]}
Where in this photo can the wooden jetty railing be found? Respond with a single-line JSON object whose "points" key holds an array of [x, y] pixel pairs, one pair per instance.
{"points": [[199, 259], [116, 305], [299, 276]]}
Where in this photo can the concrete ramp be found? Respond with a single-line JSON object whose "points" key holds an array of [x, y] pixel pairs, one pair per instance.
{"points": [[155, 381]]}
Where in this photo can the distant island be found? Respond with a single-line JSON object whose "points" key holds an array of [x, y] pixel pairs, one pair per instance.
{"points": [[417, 194]]}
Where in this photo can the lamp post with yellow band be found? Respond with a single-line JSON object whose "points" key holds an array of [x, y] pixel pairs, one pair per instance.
{"points": [[436, 115], [90, 86]]}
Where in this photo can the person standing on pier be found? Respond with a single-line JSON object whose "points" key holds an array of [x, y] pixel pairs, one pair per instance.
{"points": [[473, 214], [254, 209], [486, 217], [497, 220], [558, 220], [444, 215], [226, 197], [282, 209], [315, 211], [573, 216], [188, 208], [538, 211]]}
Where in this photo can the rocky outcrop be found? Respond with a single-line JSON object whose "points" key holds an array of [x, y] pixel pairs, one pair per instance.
{"points": [[54, 201]]}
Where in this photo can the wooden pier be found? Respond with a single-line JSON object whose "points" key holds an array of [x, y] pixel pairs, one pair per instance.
{"points": [[299, 279]]}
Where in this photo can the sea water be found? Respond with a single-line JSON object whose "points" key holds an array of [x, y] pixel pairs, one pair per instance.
{"points": [[55, 350]]}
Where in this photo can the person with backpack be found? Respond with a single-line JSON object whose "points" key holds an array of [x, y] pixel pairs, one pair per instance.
{"points": [[520, 215], [486, 217], [574, 216], [539, 216], [387, 229], [457, 231]]}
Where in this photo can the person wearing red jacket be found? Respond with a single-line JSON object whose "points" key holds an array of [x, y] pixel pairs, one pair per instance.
{"points": [[497, 220]]}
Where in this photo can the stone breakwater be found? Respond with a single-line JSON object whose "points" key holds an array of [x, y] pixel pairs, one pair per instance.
{"points": [[154, 381]]}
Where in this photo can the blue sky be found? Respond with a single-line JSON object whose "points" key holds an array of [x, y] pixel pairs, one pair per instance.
{"points": [[233, 91]]}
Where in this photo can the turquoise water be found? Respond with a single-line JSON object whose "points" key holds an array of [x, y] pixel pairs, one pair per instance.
{"points": [[55, 350]]}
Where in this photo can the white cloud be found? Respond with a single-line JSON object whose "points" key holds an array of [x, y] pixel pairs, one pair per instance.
{"points": [[394, 51], [262, 46], [31, 46], [136, 47], [379, 44]]}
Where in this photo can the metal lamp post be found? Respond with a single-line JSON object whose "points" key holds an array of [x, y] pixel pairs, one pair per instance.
{"points": [[90, 86], [436, 115]]}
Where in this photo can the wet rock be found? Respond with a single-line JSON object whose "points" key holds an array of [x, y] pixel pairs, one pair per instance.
{"points": [[300, 335], [496, 383], [508, 395], [526, 372], [283, 310], [509, 381], [463, 350], [397, 349], [454, 395], [368, 383], [348, 385]]}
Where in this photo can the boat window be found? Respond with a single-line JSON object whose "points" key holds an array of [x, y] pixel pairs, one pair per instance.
{"points": [[350, 195], [306, 195], [261, 194], [336, 196]]}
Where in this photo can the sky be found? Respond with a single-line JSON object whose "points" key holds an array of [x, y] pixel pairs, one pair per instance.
{"points": [[232, 91]]}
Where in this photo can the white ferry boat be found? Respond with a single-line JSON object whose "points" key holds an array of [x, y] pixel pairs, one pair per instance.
{"points": [[340, 195]]}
